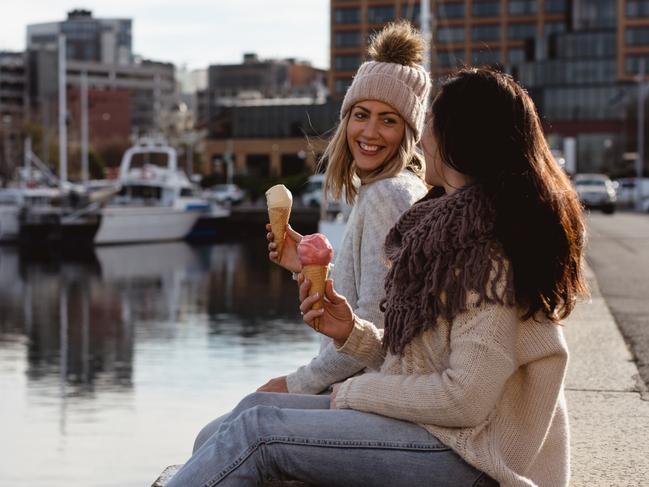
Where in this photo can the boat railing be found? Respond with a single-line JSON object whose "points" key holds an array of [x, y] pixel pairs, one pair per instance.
{"points": [[81, 212]]}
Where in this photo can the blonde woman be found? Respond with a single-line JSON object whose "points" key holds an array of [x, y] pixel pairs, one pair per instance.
{"points": [[372, 162]]}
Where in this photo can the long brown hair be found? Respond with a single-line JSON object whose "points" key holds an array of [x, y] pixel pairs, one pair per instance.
{"points": [[487, 127]]}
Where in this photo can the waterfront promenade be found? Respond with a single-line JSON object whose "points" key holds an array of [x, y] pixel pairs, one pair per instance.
{"points": [[607, 401]]}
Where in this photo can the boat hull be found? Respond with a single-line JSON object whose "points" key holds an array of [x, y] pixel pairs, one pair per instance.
{"points": [[50, 230], [144, 224], [9, 224]]}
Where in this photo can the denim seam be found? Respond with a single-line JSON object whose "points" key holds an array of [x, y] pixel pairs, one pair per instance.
{"points": [[321, 443], [355, 443]]}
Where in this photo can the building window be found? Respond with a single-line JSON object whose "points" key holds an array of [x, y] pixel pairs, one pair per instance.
{"points": [[485, 32], [587, 45], [522, 7], [554, 28], [347, 15], [485, 57], [341, 85], [516, 55], [450, 10], [596, 14], [347, 39], [555, 6], [489, 8], [632, 64], [258, 165], [521, 31], [637, 8], [583, 103], [450, 59], [347, 62], [448, 35], [292, 164], [379, 15], [411, 12], [637, 36]]}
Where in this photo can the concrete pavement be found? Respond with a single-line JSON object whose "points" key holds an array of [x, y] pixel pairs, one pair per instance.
{"points": [[607, 401]]}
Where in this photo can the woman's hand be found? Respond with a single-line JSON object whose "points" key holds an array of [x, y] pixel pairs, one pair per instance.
{"points": [[278, 384], [336, 317], [290, 260]]}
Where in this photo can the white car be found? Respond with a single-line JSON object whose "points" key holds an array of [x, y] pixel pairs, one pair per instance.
{"points": [[225, 194], [312, 195], [596, 191]]}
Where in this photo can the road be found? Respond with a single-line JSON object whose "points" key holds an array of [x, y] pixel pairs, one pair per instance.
{"points": [[618, 252]]}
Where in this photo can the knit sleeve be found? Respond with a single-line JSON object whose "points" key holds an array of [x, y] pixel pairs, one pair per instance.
{"points": [[382, 204], [463, 395]]}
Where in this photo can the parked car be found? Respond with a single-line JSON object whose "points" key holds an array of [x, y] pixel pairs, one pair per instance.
{"points": [[312, 195], [596, 191], [626, 192], [225, 193]]}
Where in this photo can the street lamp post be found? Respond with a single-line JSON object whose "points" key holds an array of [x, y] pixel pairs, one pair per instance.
{"points": [[63, 109]]}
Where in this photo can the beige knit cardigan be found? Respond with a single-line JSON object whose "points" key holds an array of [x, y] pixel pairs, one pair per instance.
{"points": [[489, 386]]}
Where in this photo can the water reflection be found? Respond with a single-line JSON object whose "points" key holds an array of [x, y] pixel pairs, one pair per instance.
{"points": [[119, 341]]}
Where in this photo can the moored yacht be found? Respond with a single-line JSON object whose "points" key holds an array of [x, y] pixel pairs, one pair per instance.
{"points": [[155, 202]]}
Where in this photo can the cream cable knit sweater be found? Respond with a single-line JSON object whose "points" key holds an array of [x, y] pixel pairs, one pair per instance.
{"points": [[490, 387], [359, 273]]}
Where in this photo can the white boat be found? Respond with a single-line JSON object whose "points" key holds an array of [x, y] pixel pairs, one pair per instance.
{"points": [[155, 203]]}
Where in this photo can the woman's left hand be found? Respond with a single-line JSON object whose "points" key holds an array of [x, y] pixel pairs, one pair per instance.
{"points": [[334, 393]]}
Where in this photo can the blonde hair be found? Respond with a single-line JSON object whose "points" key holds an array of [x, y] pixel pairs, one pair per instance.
{"points": [[341, 179]]}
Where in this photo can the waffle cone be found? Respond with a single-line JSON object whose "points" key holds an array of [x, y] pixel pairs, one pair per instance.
{"points": [[278, 222], [317, 274]]}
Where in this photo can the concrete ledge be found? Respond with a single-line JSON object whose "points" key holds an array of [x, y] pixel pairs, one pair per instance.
{"points": [[166, 476]]}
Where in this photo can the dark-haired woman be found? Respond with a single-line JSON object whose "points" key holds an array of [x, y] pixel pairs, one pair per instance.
{"points": [[467, 380]]}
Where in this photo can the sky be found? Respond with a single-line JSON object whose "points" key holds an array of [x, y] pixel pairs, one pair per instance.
{"points": [[195, 33]]}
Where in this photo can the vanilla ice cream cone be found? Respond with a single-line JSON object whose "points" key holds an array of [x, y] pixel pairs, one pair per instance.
{"points": [[278, 222], [317, 274], [279, 200]]}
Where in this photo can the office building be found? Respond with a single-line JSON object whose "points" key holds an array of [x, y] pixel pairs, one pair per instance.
{"points": [[127, 95], [106, 41], [260, 115], [13, 103], [579, 59]]}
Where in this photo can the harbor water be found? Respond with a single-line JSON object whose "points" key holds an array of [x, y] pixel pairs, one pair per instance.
{"points": [[112, 360]]}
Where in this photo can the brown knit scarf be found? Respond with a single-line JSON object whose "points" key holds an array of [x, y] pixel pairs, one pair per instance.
{"points": [[439, 250]]}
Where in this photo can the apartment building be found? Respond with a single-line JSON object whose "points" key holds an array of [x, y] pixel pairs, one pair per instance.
{"points": [[579, 59]]}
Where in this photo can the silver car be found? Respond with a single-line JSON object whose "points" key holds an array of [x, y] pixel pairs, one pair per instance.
{"points": [[596, 191]]}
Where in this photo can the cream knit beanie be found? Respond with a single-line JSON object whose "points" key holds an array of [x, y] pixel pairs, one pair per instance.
{"points": [[394, 76]]}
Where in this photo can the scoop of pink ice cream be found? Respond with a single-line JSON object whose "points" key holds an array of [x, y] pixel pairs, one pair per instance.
{"points": [[315, 250]]}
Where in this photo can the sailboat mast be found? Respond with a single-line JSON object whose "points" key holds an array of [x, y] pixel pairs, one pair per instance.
{"points": [[63, 129]]}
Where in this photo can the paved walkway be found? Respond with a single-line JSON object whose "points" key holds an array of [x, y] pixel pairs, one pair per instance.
{"points": [[609, 411]]}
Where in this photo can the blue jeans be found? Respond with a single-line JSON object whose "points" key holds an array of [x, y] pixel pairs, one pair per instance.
{"points": [[297, 437]]}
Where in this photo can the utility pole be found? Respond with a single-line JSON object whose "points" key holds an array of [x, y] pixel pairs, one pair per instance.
{"points": [[63, 129], [639, 162], [84, 126]]}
